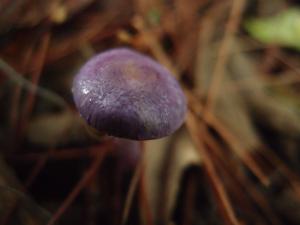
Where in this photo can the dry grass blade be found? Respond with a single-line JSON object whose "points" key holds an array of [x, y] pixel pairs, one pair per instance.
{"points": [[248, 157], [230, 139], [230, 29], [144, 201], [231, 170], [245, 156], [34, 173], [17, 90], [132, 188], [39, 61], [89, 174], [242, 130], [229, 214], [29, 86], [153, 44], [291, 177]]}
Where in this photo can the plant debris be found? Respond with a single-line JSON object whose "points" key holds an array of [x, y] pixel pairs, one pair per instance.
{"points": [[234, 161]]}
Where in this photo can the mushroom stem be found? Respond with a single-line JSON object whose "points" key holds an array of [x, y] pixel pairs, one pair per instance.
{"points": [[138, 180], [132, 189]]}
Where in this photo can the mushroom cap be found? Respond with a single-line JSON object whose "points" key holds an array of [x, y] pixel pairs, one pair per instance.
{"points": [[127, 94]]}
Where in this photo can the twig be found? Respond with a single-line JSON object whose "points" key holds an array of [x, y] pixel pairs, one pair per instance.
{"points": [[189, 200], [154, 44], [292, 178], [244, 155], [62, 154], [34, 173], [90, 173], [218, 72], [144, 202], [132, 188], [210, 168], [17, 92], [39, 60], [230, 138], [29, 86], [239, 180]]}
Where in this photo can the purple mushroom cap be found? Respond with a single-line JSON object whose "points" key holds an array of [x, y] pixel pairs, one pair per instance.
{"points": [[128, 94]]}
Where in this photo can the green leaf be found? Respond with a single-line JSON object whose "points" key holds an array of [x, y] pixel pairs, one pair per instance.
{"points": [[154, 16], [282, 29]]}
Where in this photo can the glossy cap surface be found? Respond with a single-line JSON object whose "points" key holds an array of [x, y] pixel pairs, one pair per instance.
{"points": [[127, 94]]}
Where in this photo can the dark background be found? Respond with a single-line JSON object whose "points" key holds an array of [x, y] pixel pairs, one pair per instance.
{"points": [[235, 160]]}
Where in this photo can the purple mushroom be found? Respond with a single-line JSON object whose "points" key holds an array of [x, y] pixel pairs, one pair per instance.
{"points": [[127, 94]]}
